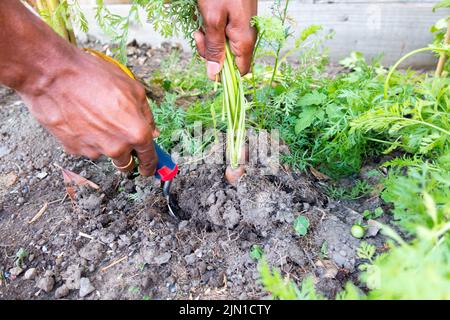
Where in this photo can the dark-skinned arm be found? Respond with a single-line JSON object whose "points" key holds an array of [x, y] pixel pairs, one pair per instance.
{"points": [[88, 104]]}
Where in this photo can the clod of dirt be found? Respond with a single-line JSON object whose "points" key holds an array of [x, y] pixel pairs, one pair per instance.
{"points": [[373, 228], [326, 269], [279, 249], [341, 244], [72, 277], [85, 287], [46, 283], [231, 216], [93, 251], [90, 203], [62, 292]]}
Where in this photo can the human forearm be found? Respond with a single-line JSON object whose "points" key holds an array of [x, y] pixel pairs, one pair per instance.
{"points": [[87, 103], [31, 54]]}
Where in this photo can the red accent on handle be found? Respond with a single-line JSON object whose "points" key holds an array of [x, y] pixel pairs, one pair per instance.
{"points": [[167, 174]]}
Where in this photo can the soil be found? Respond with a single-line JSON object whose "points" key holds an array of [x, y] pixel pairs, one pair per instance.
{"points": [[70, 248]]}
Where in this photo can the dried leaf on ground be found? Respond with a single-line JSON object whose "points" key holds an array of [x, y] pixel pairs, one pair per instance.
{"points": [[71, 180], [318, 175]]}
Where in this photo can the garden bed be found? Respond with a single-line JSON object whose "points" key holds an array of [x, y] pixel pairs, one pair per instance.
{"points": [[206, 256]]}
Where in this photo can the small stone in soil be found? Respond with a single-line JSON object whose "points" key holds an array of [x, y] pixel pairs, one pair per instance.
{"points": [[373, 228], [30, 274], [190, 259], [15, 271], [42, 175], [3, 151], [85, 287], [183, 225], [72, 277], [173, 288], [62, 292]]}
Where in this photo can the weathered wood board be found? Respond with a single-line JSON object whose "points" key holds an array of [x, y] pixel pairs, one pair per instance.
{"points": [[391, 27]]}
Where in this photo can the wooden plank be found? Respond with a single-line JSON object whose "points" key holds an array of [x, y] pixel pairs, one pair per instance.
{"points": [[392, 29]]}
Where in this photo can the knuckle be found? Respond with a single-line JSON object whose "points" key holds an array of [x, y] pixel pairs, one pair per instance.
{"points": [[93, 155], [52, 121], [213, 22], [244, 44], [116, 152], [140, 92], [214, 50], [139, 135]]}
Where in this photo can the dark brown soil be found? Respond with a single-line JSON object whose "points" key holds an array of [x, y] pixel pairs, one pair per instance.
{"points": [[205, 256]]}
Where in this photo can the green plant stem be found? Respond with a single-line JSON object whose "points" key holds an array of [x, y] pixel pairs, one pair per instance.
{"points": [[57, 22], [395, 66], [413, 121], [253, 66], [234, 106], [48, 10], [275, 68]]}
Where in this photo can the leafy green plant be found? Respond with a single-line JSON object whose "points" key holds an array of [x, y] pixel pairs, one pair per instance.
{"points": [[21, 254], [416, 270], [375, 214], [256, 253], [371, 272], [186, 80], [284, 289], [59, 15], [178, 126], [301, 225], [360, 189], [407, 192], [180, 16], [324, 250]]}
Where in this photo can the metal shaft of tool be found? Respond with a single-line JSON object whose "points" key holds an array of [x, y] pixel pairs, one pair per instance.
{"points": [[166, 193]]}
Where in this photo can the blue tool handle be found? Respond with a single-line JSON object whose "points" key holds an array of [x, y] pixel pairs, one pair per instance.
{"points": [[166, 168]]}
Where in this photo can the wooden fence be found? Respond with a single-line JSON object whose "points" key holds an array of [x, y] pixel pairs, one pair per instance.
{"points": [[391, 27]]}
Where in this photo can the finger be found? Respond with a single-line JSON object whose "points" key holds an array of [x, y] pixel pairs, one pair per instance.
{"points": [[124, 162], [147, 158], [215, 43], [91, 153], [242, 44], [156, 133], [242, 36], [70, 150], [148, 115], [199, 38]]}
